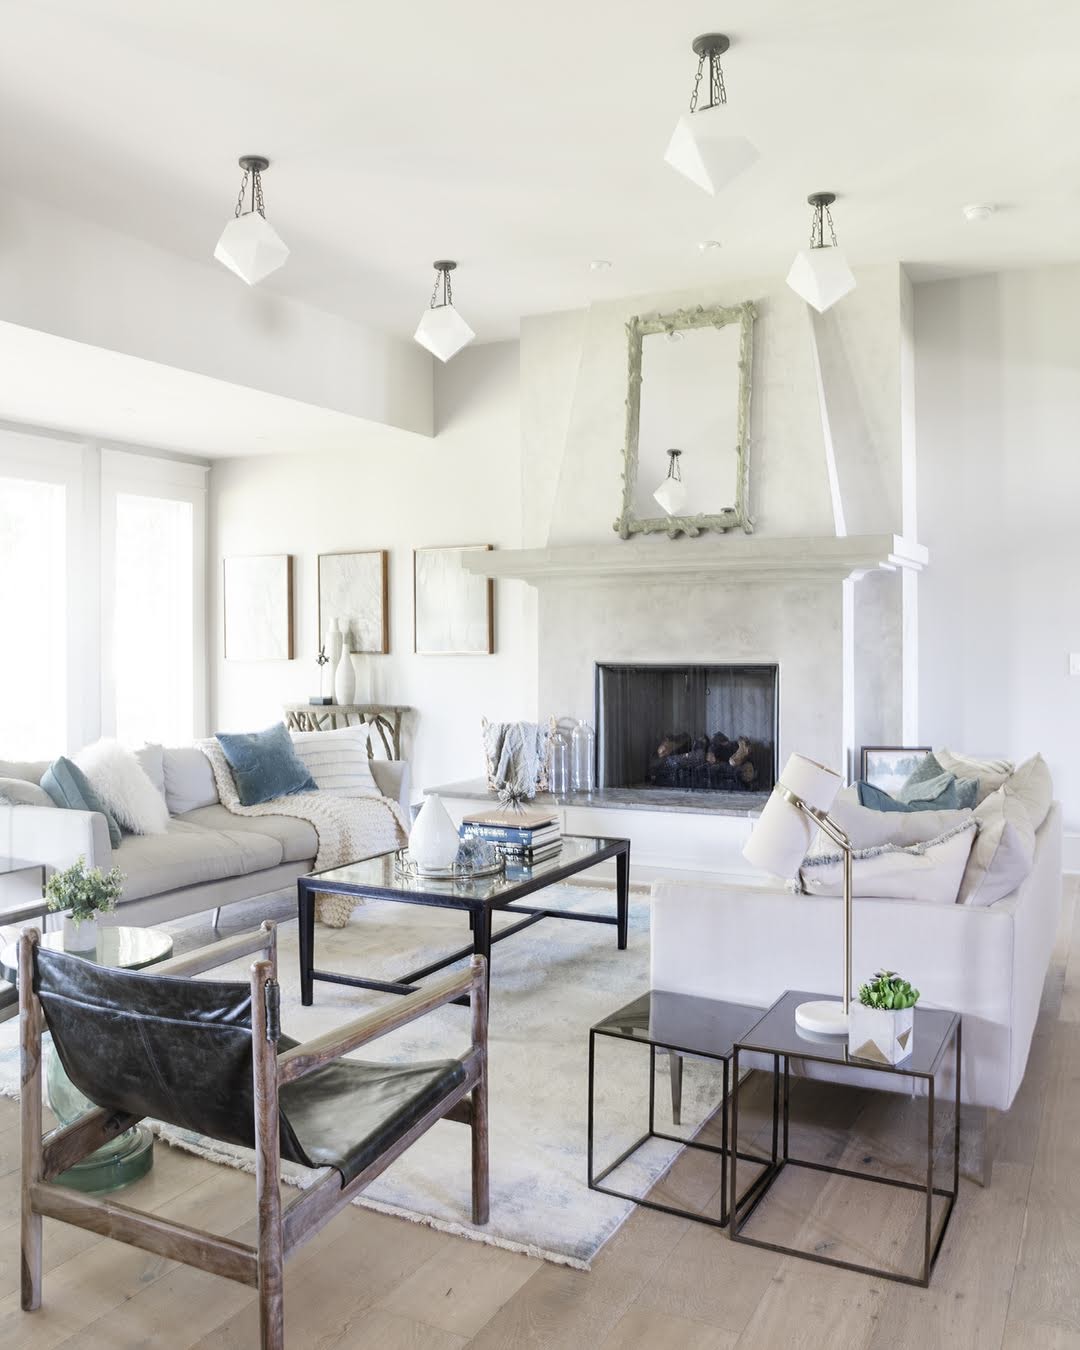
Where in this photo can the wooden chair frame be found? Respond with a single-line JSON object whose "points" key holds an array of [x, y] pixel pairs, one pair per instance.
{"points": [[280, 1231]]}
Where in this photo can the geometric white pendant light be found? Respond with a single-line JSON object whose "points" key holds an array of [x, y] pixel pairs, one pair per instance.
{"points": [[249, 244], [442, 330], [702, 147], [820, 274], [671, 494]]}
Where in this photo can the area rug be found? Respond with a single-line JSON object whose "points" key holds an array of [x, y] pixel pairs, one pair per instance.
{"points": [[549, 984]]}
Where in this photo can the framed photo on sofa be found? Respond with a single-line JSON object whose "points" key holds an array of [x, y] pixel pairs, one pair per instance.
{"points": [[888, 767]]}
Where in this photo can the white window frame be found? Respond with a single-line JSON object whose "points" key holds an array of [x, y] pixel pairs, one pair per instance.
{"points": [[123, 471]]}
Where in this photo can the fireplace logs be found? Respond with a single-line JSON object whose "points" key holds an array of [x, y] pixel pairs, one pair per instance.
{"points": [[717, 762]]}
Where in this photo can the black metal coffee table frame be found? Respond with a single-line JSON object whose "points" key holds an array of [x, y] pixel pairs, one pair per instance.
{"points": [[479, 909]]}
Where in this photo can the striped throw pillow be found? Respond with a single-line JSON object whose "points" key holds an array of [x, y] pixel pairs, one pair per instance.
{"points": [[338, 760]]}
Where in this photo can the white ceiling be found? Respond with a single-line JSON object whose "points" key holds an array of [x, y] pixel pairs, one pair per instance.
{"points": [[526, 140], [52, 382]]}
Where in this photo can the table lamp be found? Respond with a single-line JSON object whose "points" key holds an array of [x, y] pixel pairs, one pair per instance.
{"points": [[799, 806]]}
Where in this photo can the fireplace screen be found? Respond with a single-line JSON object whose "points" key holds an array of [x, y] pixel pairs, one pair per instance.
{"points": [[690, 728]]}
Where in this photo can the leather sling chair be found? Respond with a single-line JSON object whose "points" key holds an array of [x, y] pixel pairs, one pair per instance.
{"points": [[208, 1056]]}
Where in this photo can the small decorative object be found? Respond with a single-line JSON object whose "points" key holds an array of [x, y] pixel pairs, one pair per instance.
{"points": [[889, 767], [671, 494], [353, 586], [433, 840], [441, 329], [882, 1022], [85, 892], [702, 147], [249, 245], [258, 608], [820, 274], [583, 758], [452, 607], [322, 698], [476, 853], [344, 679], [558, 764]]}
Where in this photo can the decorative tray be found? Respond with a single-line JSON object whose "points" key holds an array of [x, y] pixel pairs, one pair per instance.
{"points": [[406, 867]]}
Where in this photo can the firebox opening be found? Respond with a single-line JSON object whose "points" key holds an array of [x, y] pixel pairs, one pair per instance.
{"points": [[687, 728]]}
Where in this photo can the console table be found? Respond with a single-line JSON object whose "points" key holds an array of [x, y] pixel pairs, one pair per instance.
{"points": [[386, 718]]}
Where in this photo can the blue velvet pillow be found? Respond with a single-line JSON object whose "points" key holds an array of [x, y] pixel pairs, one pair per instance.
{"points": [[877, 800], [265, 765], [70, 788]]}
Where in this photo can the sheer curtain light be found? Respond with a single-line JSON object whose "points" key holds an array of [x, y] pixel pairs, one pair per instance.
{"points": [[820, 274], [702, 147], [249, 244], [442, 330]]}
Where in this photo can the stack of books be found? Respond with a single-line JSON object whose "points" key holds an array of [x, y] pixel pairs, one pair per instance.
{"points": [[523, 837]]}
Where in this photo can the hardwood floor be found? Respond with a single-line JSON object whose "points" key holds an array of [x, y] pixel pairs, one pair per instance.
{"points": [[1008, 1277]]}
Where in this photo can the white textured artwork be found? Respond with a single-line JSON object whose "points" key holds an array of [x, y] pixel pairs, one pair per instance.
{"points": [[352, 588], [258, 608], [452, 606]]}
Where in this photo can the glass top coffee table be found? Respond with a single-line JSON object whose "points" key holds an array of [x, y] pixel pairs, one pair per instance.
{"points": [[378, 878]]}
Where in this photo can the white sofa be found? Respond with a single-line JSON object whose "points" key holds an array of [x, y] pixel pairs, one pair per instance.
{"points": [[208, 858], [750, 945]]}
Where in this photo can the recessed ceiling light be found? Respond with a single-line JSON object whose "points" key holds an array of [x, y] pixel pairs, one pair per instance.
{"points": [[601, 265], [709, 245], [978, 211]]}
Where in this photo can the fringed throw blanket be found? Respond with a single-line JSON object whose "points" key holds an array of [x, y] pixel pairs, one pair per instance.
{"points": [[516, 756], [347, 827]]}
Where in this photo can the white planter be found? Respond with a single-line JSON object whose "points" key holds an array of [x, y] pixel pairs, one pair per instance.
{"points": [[885, 1037], [344, 680], [361, 683], [433, 841], [80, 937]]}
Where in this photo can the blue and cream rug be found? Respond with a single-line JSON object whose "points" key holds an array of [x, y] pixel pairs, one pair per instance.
{"points": [[550, 983]]}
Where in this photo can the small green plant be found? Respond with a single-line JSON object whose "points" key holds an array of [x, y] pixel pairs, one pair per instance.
{"points": [[888, 992], [85, 891]]}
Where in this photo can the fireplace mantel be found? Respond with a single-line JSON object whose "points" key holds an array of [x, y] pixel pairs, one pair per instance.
{"points": [[742, 557]]}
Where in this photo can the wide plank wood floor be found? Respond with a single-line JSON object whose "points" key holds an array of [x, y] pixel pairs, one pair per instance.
{"points": [[1008, 1277]]}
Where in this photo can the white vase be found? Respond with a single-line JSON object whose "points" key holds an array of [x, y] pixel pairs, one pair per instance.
{"points": [[80, 937], [332, 647], [433, 840], [344, 680], [880, 1034], [361, 686]]}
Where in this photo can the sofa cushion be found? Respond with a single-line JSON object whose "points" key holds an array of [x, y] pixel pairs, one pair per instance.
{"points": [[338, 760], [1003, 853], [189, 780], [187, 855], [867, 828], [19, 792], [69, 788], [124, 786], [151, 760], [32, 770], [1032, 785], [940, 795], [264, 765], [930, 871], [990, 773], [297, 838]]}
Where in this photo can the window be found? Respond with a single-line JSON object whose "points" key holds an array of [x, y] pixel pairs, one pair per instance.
{"points": [[33, 611]]}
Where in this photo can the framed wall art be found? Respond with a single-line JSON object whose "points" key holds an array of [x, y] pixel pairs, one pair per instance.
{"points": [[453, 612], [258, 608], [353, 588], [888, 767]]}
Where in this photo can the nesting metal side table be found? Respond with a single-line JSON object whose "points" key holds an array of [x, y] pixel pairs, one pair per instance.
{"points": [[701, 1028]]}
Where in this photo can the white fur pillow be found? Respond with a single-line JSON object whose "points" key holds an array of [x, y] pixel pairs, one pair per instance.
{"points": [[929, 871], [125, 787]]}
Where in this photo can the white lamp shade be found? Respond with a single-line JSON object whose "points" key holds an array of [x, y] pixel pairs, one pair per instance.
{"points": [[702, 149], [671, 494], [251, 247], [782, 835], [443, 332], [821, 276]]}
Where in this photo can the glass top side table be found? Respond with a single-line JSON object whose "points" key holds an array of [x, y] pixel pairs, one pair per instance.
{"points": [[131, 1154], [936, 1032]]}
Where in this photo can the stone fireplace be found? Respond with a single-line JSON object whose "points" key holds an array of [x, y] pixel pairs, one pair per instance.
{"points": [[687, 728]]}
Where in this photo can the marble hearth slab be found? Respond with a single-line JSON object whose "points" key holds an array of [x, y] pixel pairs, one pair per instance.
{"points": [[623, 799]]}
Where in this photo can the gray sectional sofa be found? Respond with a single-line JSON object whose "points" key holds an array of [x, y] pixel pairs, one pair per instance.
{"points": [[208, 857]]}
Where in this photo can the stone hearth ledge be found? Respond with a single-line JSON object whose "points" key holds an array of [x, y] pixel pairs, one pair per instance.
{"points": [[621, 799]]}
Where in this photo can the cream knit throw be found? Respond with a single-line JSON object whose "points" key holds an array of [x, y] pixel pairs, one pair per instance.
{"points": [[347, 827]]}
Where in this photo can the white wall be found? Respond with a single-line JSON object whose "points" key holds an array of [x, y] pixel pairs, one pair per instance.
{"points": [[998, 411], [397, 492]]}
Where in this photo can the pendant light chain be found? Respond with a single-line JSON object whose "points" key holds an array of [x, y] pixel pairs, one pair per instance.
{"points": [[717, 91], [817, 226], [442, 276], [254, 177]]}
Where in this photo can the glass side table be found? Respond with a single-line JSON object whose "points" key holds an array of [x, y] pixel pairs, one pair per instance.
{"points": [[777, 1036], [701, 1028], [131, 1154]]}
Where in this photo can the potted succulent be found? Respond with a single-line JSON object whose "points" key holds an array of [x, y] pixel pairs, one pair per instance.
{"points": [[881, 1025], [84, 892]]}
